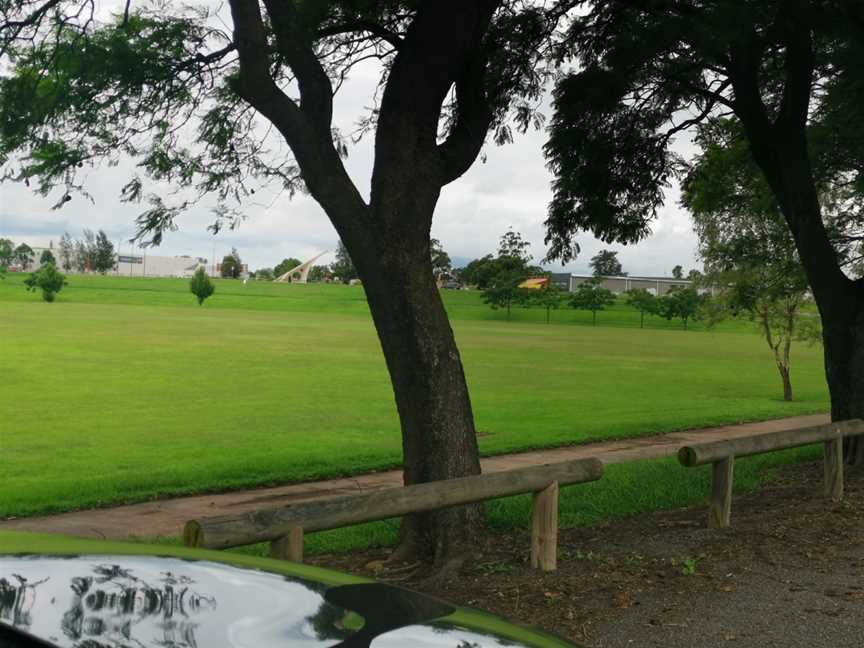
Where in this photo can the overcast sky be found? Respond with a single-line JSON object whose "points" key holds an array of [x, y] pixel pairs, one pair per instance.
{"points": [[512, 188]]}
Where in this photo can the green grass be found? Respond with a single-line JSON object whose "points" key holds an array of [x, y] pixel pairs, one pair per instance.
{"points": [[124, 390]]}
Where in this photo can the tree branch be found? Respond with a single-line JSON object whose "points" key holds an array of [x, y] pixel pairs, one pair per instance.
{"points": [[473, 118], [316, 92], [308, 136], [363, 25]]}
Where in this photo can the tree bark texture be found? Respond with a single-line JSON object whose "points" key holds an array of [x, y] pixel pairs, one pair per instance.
{"points": [[438, 436]]}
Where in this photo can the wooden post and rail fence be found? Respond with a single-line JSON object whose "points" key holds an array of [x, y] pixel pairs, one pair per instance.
{"points": [[284, 527], [722, 454]]}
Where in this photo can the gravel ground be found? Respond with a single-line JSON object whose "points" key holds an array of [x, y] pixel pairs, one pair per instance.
{"points": [[789, 572]]}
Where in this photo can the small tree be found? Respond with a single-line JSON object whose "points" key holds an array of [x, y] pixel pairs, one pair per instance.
{"points": [[502, 290], [606, 263], [264, 274], [511, 244], [343, 266], [591, 295], [441, 265], [67, 251], [47, 279], [318, 273], [643, 301], [548, 297], [23, 255], [85, 252], [231, 265], [46, 258], [201, 286], [678, 272], [103, 253], [7, 252], [683, 303]]}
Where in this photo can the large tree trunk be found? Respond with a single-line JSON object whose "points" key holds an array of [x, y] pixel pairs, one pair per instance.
{"points": [[438, 435], [843, 336]]}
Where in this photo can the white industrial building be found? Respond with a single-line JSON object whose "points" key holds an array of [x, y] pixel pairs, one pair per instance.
{"points": [[137, 264], [655, 285]]}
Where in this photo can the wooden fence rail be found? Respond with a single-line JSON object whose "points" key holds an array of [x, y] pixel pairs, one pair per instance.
{"points": [[722, 454], [284, 527]]}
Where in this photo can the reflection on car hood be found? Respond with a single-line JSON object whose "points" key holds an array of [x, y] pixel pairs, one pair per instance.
{"points": [[147, 602]]}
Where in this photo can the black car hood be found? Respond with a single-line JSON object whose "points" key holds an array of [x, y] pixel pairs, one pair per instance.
{"points": [[101, 601]]}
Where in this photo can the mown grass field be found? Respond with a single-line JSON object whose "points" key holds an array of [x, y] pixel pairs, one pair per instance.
{"points": [[124, 389]]}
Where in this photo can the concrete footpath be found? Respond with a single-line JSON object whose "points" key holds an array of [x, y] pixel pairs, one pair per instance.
{"points": [[166, 517]]}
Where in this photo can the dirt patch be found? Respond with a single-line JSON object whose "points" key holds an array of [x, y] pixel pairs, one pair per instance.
{"points": [[790, 573]]}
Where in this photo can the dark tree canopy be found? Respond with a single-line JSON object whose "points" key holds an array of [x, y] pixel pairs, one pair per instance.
{"points": [[232, 266], [606, 263], [650, 71], [285, 265], [47, 257]]}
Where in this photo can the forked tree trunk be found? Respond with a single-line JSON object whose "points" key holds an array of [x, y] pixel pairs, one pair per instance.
{"points": [[438, 436]]}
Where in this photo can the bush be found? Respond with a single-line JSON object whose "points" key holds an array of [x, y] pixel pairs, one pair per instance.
{"points": [[201, 286], [47, 279]]}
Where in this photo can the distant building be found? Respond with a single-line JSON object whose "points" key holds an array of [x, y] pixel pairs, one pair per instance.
{"points": [[149, 265], [139, 264], [561, 279], [655, 285]]}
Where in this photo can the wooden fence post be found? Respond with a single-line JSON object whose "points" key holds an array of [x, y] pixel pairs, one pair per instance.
{"points": [[720, 509], [289, 547], [544, 529], [834, 469]]}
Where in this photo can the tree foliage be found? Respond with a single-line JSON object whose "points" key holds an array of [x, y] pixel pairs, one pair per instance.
{"points": [[591, 295], [201, 286], [512, 245], [442, 267], [548, 297], [67, 252], [7, 252], [681, 303], [787, 70], [748, 250], [47, 279], [343, 267], [232, 266], [47, 257], [644, 302], [285, 265], [103, 253], [606, 263], [23, 255]]}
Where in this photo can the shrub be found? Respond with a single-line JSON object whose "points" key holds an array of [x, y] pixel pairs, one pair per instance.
{"points": [[47, 279], [201, 286]]}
